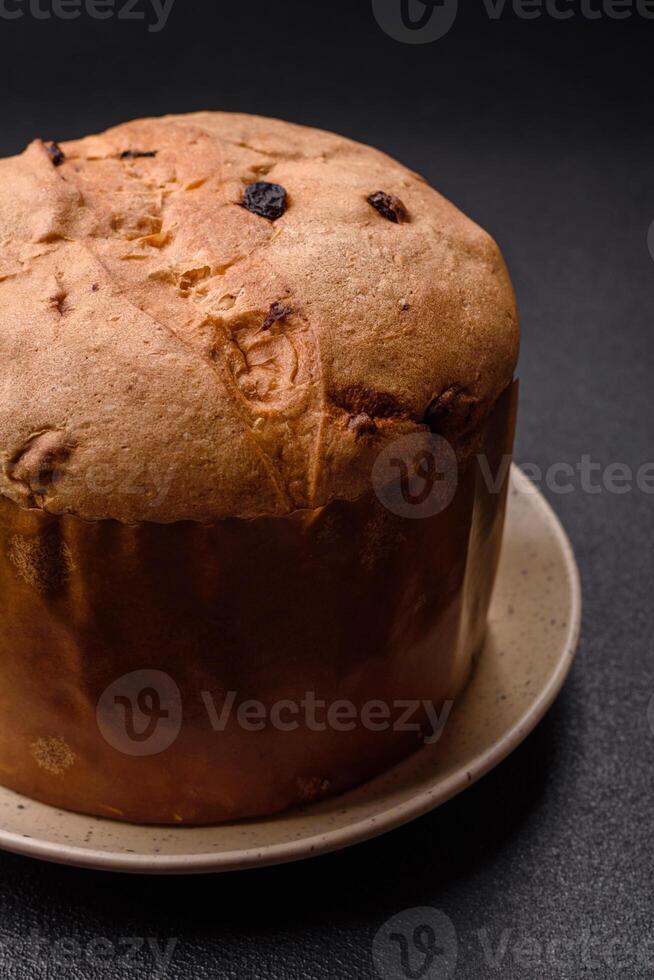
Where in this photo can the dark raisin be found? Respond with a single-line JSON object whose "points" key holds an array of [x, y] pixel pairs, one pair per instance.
{"points": [[133, 154], [389, 206], [452, 409], [276, 312], [55, 153], [264, 199], [95, 287], [358, 400], [362, 425]]}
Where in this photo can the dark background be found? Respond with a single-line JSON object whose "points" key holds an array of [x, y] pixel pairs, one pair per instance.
{"points": [[541, 131]]}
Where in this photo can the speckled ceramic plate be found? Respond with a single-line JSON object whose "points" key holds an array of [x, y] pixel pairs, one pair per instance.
{"points": [[534, 626]]}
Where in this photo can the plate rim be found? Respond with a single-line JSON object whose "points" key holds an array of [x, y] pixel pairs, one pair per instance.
{"points": [[367, 828]]}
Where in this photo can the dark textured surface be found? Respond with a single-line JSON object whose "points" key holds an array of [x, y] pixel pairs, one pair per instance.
{"points": [[542, 132]]}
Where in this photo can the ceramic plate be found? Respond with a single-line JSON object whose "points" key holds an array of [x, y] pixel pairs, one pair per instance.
{"points": [[534, 626]]}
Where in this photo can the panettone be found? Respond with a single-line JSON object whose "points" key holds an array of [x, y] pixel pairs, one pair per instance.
{"points": [[212, 329]]}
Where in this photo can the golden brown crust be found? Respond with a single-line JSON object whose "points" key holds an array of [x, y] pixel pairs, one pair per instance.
{"points": [[167, 354]]}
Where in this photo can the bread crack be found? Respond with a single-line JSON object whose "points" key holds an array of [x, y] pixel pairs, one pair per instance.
{"points": [[39, 463]]}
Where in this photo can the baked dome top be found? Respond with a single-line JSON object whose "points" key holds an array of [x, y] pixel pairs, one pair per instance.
{"points": [[176, 343]]}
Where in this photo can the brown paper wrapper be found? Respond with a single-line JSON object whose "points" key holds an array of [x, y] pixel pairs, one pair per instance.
{"points": [[123, 647]]}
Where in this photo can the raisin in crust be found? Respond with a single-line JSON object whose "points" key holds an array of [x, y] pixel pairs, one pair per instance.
{"points": [[144, 377]]}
